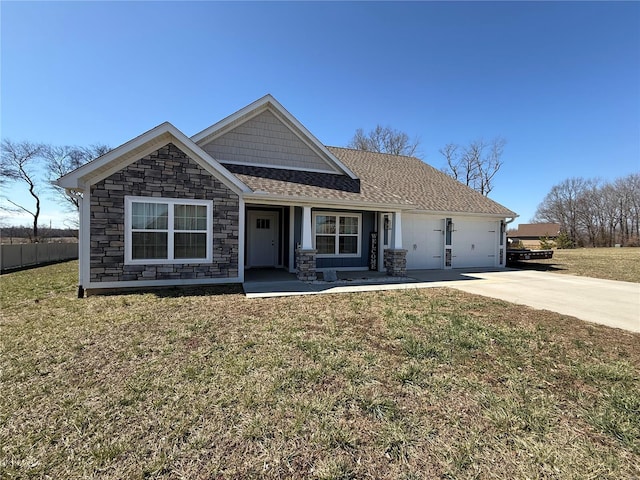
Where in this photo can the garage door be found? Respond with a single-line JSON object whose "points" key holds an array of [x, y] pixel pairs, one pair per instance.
{"points": [[474, 243], [423, 239]]}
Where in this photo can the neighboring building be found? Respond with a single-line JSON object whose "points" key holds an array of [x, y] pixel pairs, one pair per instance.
{"points": [[257, 190], [531, 233]]}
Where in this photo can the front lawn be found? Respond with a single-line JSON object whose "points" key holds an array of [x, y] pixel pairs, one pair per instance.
{"points": [[430, 383], [608, 263]]}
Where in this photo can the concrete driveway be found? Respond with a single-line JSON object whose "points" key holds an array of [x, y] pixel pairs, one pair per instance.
{"points": [[608, 302], [611, 303]]}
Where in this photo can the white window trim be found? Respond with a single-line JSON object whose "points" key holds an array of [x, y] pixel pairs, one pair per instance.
{"points": [[337, 235], [128, 260]]}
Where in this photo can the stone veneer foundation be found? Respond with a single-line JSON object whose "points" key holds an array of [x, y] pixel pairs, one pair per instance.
{"points": [[168, 173], [395, 262], [306, 264]]}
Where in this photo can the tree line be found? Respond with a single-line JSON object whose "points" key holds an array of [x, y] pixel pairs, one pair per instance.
{"points": [[594, 212], [19, 234]]}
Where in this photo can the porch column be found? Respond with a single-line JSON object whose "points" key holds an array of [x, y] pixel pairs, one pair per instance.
{"points": [[397, 231], [395, 258], [305, 254], [306, 229]]}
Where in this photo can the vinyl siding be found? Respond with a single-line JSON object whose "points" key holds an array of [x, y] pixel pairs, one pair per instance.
{"points": [[265, 140], [368, 219]]}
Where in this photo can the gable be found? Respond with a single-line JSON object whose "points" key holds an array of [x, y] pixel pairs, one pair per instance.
{"points": [[265, 134], [139, 147], [265, 141]]}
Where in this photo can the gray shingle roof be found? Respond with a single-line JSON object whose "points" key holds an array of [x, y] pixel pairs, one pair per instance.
{"points": [[383, 179], [420, 183], [295, 183]]}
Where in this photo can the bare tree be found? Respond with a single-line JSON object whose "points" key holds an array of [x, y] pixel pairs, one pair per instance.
{"points": [[457, 164], [628, 199], [476, 164], [19, 163], [593, 212], [61, 160], [606, 206], [561, 206], [385, 140], [590, 211]]}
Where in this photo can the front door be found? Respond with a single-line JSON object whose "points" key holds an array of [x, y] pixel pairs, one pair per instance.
{"points": [[262, 241]]}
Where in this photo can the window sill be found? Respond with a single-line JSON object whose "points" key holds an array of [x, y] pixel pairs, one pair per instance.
{"points": [[182, 261]]}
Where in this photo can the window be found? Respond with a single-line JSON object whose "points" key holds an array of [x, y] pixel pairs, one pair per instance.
{"points": [[263, 223], [337, 234], [167, 230]]}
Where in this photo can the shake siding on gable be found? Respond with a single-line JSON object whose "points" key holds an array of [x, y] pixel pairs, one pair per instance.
{"points": [[167, 173], [265, 140]]}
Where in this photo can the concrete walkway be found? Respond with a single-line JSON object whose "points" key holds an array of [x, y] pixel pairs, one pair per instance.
{"points": [[608, 302]]}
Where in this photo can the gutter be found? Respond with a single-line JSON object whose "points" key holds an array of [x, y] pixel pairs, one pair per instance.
{"points": [[465, 214], [313, 201]]}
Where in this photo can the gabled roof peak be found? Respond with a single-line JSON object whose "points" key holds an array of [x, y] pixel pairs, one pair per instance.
{"points": [[141, 146], [268, 102]]}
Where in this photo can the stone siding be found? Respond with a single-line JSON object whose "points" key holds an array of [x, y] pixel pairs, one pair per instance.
{"points": [[168, 173], [395, 262], [306, 265]]}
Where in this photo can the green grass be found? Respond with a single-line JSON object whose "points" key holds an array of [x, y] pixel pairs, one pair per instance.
{"points": [[430, 383]]}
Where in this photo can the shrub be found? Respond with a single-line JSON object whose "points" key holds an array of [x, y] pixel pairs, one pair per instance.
{"points": [[546, 243], [564, 241]]}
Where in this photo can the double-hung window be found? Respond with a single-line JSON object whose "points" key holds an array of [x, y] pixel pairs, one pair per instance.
{"points": [[166, 230], [337, 234]]}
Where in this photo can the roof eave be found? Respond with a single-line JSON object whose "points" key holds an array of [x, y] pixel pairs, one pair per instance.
{"points": [[507, 214], [117, 158]]}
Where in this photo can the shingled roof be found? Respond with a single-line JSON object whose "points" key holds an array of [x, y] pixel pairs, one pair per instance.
{"points": [[537, 230], [424, 186], [383, 179], [313, 185]]}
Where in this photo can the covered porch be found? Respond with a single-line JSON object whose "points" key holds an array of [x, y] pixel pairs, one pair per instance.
{"points": [[312, 240]]}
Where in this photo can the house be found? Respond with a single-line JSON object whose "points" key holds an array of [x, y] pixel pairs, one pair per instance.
{"points": [[531, 233], [258, 190]]}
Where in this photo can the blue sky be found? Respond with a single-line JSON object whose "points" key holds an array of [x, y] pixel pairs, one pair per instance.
{"points": [[559, 81]]}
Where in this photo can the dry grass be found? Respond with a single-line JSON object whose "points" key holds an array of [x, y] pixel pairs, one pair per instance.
{"points": [[427, 383], [608, 263]]}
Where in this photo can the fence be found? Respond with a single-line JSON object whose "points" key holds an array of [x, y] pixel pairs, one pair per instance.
{"points": [[31, 254]]}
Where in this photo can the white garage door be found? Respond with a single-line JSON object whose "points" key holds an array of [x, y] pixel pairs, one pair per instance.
{"points": [[423, 239], [474, 243]]}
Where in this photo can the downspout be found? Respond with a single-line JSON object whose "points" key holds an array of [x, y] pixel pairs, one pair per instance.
{"points": [[78, 194], [507, 223], [504, 244]]}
